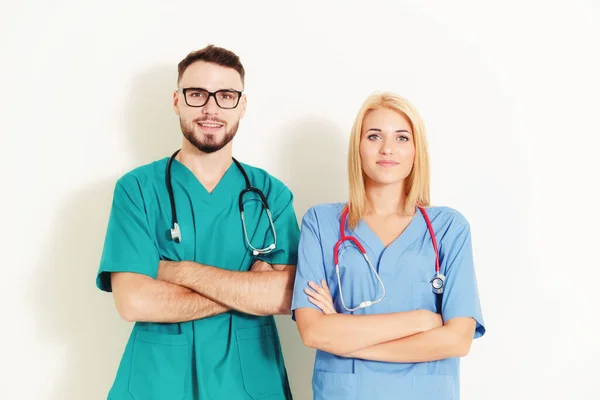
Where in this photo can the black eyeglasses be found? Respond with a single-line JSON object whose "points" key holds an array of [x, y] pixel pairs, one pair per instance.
{"points": [[198, 97]]}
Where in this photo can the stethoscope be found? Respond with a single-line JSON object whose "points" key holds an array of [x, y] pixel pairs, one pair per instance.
{"points": [[176, 232], [437, 282]]}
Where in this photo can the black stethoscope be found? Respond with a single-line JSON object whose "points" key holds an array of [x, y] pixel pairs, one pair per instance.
{"points": [[176, 232]]}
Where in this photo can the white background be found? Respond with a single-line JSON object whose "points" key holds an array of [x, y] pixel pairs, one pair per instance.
{"points": [[509, 92]]}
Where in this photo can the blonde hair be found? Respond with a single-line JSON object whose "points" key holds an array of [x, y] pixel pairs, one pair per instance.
{"points": [[417, 182]]}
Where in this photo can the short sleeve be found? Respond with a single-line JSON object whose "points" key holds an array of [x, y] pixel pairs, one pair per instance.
{"points": [[310, 265], [129, 245], [461, 294], [286, 229]]}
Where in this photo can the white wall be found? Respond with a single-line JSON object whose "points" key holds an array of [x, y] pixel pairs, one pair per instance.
{"points": [[509, 92]]}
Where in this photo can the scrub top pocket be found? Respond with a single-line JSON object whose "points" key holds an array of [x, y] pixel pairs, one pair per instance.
{"points": [[160, 366], [334, 385], [257, 349]]}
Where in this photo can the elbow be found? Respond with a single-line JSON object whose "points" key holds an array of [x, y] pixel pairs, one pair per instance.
{"points": [[312, 338], [309, 339], [284, 309], [463, 347], [315, 330], [276, 310], [127, 306], [283, 306]]}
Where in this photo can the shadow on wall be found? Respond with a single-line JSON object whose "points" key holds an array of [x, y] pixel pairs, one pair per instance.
{"points": [[71, 311], [152, 124], [313, 165]]}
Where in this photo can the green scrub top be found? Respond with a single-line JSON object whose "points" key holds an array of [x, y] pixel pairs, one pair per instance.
{"points": [[228, 356]]}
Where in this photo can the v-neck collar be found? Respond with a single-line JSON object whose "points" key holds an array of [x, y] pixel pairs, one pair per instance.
{"points": [[222, 192], [373, 242]]}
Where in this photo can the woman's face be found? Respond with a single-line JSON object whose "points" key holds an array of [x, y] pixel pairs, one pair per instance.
{"points": [[387, 147]]}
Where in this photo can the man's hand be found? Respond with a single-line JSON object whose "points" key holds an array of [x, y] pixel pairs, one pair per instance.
{"points": [[163, 267], [261, 266]]}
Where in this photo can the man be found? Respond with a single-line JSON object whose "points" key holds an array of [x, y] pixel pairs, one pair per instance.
{"points": [[180, 258]]}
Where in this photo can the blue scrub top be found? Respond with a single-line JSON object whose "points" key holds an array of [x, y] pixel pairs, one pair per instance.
{"points": [[231, 355], [406, 267]]}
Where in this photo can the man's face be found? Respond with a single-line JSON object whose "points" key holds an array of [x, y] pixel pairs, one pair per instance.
{"points": [[209, 127]]}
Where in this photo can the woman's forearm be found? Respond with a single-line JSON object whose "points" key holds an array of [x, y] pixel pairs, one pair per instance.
{"points": [[449, 341], [343, 333]]}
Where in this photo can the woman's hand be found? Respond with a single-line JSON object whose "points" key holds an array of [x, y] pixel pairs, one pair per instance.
{"points": [[321, 297]]}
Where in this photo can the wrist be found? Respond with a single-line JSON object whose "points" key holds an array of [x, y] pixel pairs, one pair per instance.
{"points": [[184, 272], [172, 271]]}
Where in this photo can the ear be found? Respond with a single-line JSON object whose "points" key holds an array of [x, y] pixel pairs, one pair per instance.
{"points": [[176, 102], [243, 106]]}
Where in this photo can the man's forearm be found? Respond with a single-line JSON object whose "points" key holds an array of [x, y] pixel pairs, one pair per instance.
{"points": [[256, 293], [342, 334], [445, 342], [140, 298]]}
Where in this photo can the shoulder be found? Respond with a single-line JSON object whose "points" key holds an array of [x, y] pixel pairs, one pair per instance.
{"points": [[446, 214], [449, 223], [272, 186], [136, 180], [324, 212]]}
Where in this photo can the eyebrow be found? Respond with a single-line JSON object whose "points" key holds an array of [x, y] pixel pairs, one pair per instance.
{"points": [[398, 131], [201, 88]]}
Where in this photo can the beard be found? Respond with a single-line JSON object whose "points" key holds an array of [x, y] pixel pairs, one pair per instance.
{"points": [[207, 142]]}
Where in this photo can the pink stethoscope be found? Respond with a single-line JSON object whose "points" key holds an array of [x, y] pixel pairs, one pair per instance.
{"points": [[437, 282]]}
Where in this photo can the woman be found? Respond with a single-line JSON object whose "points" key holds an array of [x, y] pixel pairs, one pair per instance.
{"points": [[375, 325]]}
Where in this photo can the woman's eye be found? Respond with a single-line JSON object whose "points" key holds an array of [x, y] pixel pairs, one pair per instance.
{"points": [[403, 138], [373, 137]]}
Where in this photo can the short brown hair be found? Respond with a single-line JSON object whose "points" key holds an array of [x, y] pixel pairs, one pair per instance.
{"points": [[212, 54]]}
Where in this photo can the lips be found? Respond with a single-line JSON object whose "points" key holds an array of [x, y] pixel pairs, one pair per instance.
{"points": [[210, 126], [387, 163]]}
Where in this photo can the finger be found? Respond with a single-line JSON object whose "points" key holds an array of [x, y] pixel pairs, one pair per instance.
{"points": [[326, 309], [317, 296], [314, 294], [319, 289], [317, 303], [325, 300], [324, 284], [324, 291]]}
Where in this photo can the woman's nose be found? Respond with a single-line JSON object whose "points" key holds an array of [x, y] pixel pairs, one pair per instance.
{"points": [[386, 148]]}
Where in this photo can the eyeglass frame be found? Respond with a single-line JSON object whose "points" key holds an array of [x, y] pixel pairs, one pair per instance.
{"points": [[210, 94]]}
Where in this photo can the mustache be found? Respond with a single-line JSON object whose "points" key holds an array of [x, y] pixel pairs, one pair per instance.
{"points": [[208, 119]]}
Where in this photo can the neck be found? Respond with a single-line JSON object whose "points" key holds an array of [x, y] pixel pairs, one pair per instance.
{"points": [[208, 168], [385, 200]]}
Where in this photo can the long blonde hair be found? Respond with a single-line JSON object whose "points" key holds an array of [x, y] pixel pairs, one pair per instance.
{"points": [[417, 182]]}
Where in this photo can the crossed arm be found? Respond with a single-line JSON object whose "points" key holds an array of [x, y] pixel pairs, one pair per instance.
{"points": [[185, 291], [413, 336]]}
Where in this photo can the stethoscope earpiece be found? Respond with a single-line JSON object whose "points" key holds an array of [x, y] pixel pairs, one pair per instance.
{"points": [[264, 251]]}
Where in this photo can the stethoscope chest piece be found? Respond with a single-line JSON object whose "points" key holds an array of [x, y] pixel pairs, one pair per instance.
{"points": [[176, 233], [437, 283]]}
